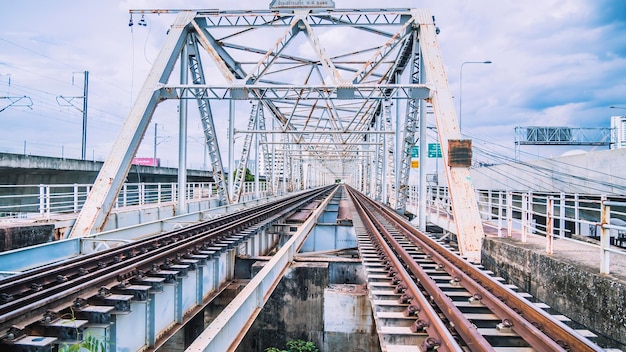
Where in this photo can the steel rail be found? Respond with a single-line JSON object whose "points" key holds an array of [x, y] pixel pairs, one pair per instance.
{"points": [[30, 275], [428, 319], [533, 324], [470, 335], [22, 283], [121, 264]]}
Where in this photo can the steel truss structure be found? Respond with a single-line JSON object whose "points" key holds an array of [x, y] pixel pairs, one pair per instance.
{"points": [[343, 89]]}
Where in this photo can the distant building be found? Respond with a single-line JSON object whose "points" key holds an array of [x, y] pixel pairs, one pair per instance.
{"points": [[618, 135]]}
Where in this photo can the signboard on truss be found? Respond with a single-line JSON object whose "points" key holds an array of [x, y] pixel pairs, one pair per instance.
{"points": [[302, 4]]}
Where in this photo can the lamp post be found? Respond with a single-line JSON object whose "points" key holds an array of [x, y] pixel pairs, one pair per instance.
{"points": [[461, 87]]}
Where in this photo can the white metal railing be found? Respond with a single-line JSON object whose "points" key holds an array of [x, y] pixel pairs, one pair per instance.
{"points": [[26, 201], [570, 217]]}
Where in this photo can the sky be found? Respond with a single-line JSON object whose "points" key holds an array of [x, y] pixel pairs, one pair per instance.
{"points": [[554, 63]]}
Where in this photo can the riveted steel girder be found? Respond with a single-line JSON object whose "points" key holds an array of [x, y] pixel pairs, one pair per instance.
{"points": [[256, 113], [330, 98], [464, 206], [208, 126]]}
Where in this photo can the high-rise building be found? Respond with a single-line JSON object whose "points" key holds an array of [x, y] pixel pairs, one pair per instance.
{"points": [[618, 132]]}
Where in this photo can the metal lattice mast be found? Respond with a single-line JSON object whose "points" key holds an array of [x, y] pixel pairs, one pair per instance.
{"points": [[206, 117], [300, 170], [268, 158], [410, 129], [379, 159], [240, 171], [389, 152], [287, 164]]}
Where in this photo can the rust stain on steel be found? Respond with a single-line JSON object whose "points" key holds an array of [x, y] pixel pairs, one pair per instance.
{"points": [[428, 321], [546, 339], [299, 216], [214, 55], [344, 216]]}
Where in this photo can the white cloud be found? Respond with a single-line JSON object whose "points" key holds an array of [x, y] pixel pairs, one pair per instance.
{"points": [[552, 61]]}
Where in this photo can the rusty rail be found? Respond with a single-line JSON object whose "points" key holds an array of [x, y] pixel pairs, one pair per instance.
{"points": [[25, 297], [534, 325]]}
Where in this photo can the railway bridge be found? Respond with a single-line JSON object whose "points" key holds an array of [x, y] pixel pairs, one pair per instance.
{"points": [[333, 129]]}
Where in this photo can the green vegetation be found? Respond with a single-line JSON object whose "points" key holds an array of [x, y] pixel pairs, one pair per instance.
{"points": [[89, 344], [296, 346], [248, 177]]}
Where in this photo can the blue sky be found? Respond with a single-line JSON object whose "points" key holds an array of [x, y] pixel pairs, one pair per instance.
{"points": [[558, 63]]}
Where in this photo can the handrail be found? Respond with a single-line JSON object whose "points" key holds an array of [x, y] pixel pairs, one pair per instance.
{"points": [[550, 214], [28, 201]]}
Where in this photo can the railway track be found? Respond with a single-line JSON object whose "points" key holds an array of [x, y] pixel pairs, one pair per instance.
{"points": [[31, 303], [426, 297]]}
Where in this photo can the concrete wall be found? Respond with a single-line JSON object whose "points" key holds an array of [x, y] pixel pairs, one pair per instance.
{"points": [[13, 237], [348, 321], [604, 166], [21, 170], [306, 305], [596, 301], [16, 169]]}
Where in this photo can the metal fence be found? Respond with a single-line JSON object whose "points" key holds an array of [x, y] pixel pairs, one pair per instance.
{"points": [[571, 217], [26, 201]]}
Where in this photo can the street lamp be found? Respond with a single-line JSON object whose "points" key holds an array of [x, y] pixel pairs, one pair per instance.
{"points": [[461, 87]]}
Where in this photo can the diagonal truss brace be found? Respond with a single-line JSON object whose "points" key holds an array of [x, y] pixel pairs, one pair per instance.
{"points": [[107, 185], [464, 206], [328, 64], [272, 55], [268, 158], [371, 64], [379, 159], [204, 107], [410, 129], [256, 113]]}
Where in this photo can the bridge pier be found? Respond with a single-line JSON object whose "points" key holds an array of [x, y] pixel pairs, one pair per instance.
{"points": [[324, 301]]}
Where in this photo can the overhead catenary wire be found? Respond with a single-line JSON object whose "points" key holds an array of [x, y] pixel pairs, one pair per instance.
{"points": [[544, 175]]}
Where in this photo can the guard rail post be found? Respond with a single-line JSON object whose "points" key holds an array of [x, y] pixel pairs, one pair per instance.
{"points": [[509, 213], [75, 198], [549, 226], [500, 205], [42, 199], [605, 235]]}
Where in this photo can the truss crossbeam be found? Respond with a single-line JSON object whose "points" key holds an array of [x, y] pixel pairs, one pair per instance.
{"points": [[378, 17], [286, 92]]}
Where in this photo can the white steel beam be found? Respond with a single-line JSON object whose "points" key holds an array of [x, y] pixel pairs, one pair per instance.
{"points": [[464, 206], [208, 125], [111, 177], [328, 64], [273, 53], [411, 126], [303, 92], [240, 174]]}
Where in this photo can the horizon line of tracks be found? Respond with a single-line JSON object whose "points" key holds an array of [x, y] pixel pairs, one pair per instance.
{"points": [[452, 304]]}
